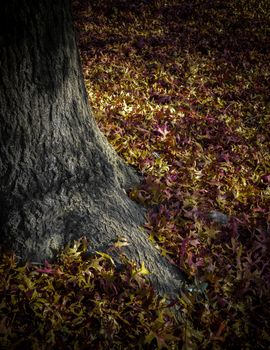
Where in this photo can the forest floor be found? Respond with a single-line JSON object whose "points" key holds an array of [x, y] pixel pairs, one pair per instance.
{"points": [[181, 90]]}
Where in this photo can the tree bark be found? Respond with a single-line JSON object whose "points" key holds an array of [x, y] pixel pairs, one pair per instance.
{"points": [[59, 177]]}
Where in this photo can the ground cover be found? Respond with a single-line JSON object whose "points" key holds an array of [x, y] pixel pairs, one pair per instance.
{"points": [[181, 90]]}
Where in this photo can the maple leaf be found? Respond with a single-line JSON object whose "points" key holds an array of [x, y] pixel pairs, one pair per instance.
{"points": [[266, 178], [47, 270], [163, 130]]}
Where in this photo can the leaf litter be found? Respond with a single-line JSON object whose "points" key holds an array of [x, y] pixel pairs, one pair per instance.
{"points": [[181, 90]]}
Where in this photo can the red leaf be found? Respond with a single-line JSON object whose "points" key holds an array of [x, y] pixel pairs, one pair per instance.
{"points": [[266, 178], [183, 250], [49, 271]]}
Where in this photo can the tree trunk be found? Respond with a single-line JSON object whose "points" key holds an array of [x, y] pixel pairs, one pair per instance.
{"points": [[59, 177]]}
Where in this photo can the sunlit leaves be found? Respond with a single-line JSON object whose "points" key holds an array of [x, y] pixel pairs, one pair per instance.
{"points": [[190, 111], [81, 298]]}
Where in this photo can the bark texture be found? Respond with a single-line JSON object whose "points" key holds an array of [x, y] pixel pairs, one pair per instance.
{"points": [[59, 178]]}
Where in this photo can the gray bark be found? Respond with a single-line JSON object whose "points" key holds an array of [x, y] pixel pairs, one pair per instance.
{"points": [[59, 177]]}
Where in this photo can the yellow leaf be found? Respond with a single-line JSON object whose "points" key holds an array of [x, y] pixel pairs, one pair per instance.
{"points": [[121, 242], [106, 256], [143, 270]]}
